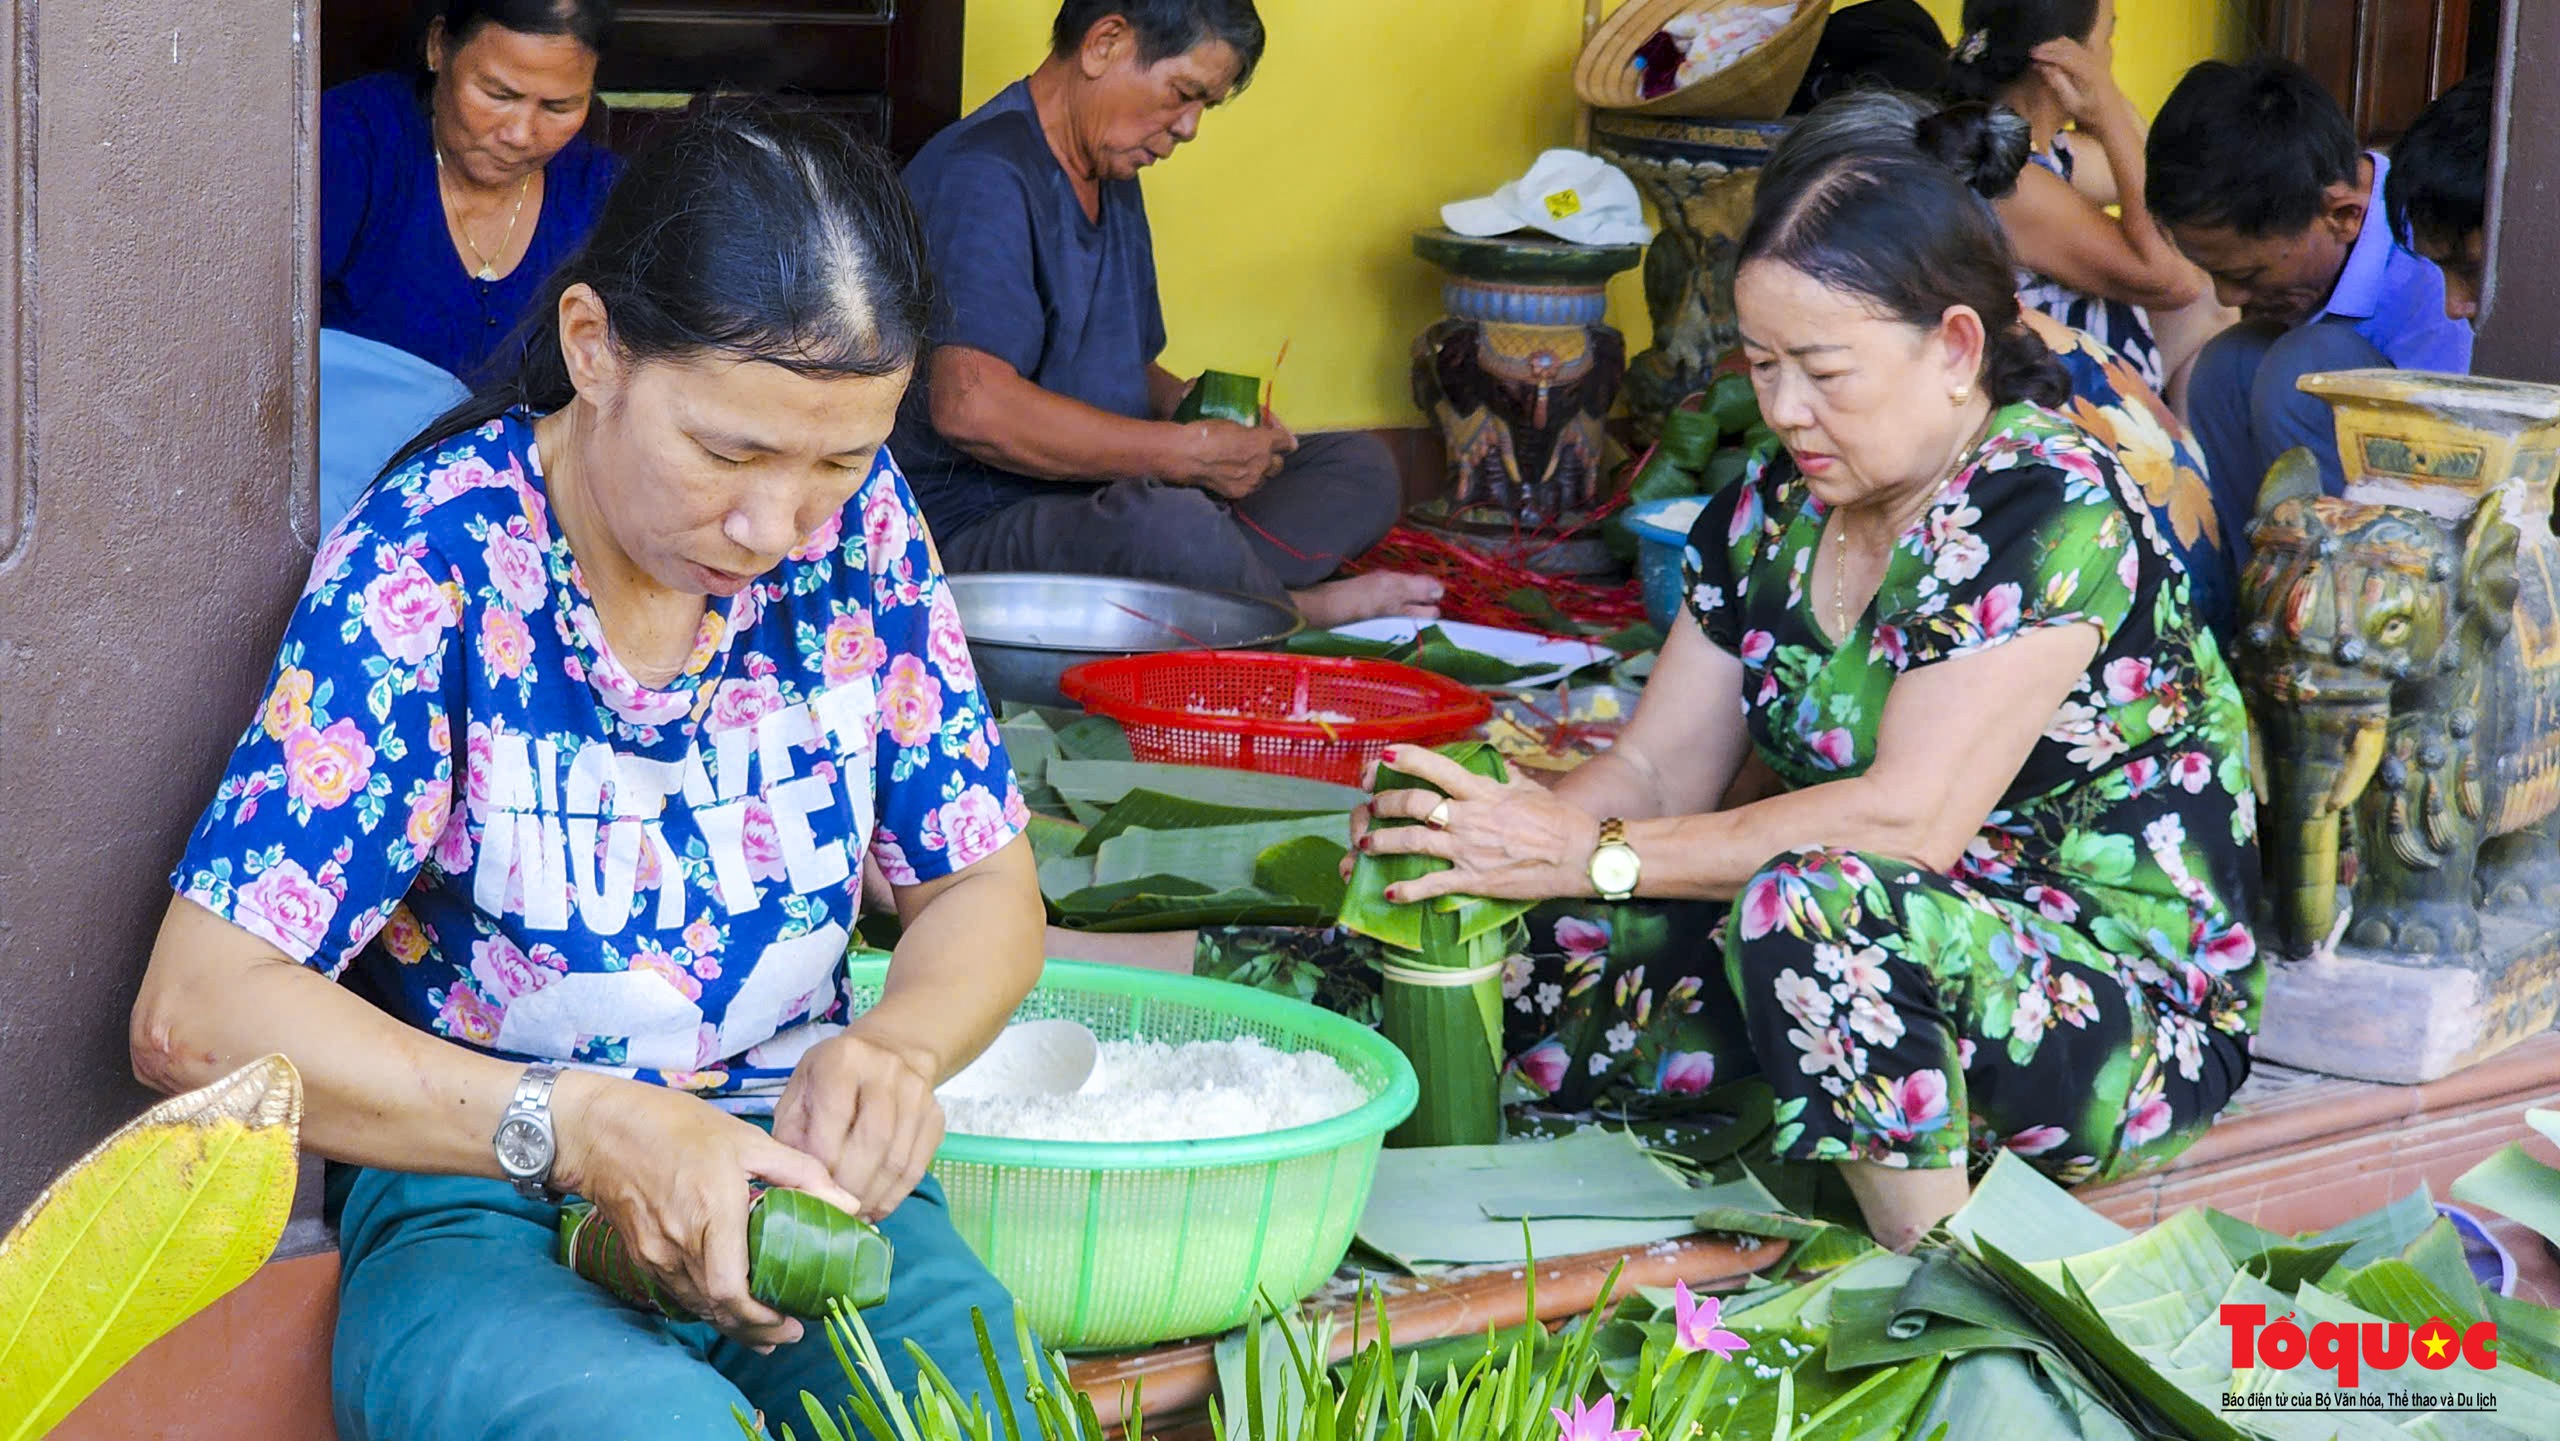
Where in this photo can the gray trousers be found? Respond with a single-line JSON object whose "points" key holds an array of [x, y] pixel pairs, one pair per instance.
{"points": [[1333, 498], [2247, 410]]}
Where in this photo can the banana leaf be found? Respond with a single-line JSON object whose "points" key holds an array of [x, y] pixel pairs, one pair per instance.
{"points": [[2029, 1216], [1063, 876], [1308, 869], [1222, 395], [802, 1254], [2067, 1311], [1219, 857], [1453, 1036], [1436, 928], [1732, 404], [177, 1207], [2517, 1187], [1158, 811], [1430, 649], [2526, 1403], [1171, 903], [2386, 1232], [1052, 838], [1106, 783]]}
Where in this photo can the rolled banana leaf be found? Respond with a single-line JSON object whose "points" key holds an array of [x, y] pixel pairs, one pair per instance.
{"points": [[1448, 1021], [801, 1254], [1441, 998], [1222, 396], [1432, 928]]}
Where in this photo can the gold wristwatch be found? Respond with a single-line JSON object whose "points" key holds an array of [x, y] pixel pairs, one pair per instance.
{"points": [[1614, 866]]}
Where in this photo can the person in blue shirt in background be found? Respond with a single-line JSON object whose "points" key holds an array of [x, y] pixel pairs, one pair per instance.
{"points": [[2254, 170], [2438, 198], [448, 195]]}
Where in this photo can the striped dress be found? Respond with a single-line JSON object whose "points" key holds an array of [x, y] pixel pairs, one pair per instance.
{"points": [[2120, 324]]}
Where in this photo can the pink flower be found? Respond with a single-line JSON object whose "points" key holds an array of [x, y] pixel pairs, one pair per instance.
{"points": [[465, 1016], [1891, 645], [335, 552], [1835, 747], [2225, 951], [288, 707], [1543, 1066], [2142, 774], [1685, 1073], [517, 569], [2036, 1140], [911, 702], [2128, 680], [505, 643], [1998, 613], [1582, 938], [323, 768], [741, 703], [2053, 905], [1764, 906], [662, 964], [470, 472], [701, 937], [1747, 515], [2191, 772], [1756, 646], [852, 650], [1921, 1098], [2148, 1122], [407, 612], [453, 847], [818, 542], [762, 843], [973, 826], [288, 907], [503, 972], [1593, 1421], [1699, 1325], [947, 645], [886, 529]]}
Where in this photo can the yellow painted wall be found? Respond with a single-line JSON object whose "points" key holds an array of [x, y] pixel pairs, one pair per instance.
{"points": [[1291, 218]]}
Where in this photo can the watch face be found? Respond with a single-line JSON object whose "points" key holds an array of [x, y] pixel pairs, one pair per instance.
{"points": [[524, 1147], [1614, 870]]}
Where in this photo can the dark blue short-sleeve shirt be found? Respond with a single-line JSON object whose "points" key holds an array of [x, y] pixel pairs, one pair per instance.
{"points": [[388, 267], [1070, 303]]}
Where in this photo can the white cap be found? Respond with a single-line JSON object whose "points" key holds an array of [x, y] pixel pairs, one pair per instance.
{"points": [[1568, 194]]}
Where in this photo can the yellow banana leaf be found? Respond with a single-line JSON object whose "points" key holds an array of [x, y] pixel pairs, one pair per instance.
{"points": [[182, 1204]]}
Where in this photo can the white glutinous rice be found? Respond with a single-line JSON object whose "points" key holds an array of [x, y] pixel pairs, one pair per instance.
{"points": [[1151, 1091]]}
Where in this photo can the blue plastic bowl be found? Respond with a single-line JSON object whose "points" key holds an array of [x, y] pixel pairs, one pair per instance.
{"points": [[1658, 552]]}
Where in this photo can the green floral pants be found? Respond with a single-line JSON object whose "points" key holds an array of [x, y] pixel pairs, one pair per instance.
{"points": [[1900, 1017]]}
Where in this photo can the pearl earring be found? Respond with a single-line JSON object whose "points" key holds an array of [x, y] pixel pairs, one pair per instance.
{"points": [[1962, 394]]}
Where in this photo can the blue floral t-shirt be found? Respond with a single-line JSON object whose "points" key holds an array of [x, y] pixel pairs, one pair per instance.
{"points": [[456, 798]]}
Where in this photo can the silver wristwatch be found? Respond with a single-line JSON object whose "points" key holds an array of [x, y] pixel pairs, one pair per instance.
{"points": [[525, 1143]]}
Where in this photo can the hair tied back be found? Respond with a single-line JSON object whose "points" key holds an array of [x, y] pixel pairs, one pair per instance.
{"points": [[1985, 145]]}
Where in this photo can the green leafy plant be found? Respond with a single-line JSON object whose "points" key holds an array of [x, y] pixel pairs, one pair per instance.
{"points": [[182, 1204]]}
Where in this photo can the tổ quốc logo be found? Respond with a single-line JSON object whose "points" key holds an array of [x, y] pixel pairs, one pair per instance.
{"points": [[2348, 1351]]}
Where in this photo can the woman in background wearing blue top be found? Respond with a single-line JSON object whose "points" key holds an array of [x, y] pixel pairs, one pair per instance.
{"points": [[541, 857], [448, 197]]}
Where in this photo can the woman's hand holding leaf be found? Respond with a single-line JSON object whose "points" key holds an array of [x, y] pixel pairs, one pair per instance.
{"points": [[673, 1173], [1503, 840]]}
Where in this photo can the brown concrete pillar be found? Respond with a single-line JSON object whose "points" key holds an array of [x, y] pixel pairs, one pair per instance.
{"points": [[2520, 332], [157, 493]]}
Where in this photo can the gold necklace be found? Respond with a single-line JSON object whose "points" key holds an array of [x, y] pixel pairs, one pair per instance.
{"points": [[488, 267]]}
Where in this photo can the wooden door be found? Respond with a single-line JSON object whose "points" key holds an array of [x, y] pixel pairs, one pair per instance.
{"points": [[2383, 59], [158, 497]]}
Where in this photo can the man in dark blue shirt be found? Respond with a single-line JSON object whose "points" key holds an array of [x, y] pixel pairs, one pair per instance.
{"points": [[1042, 438]]}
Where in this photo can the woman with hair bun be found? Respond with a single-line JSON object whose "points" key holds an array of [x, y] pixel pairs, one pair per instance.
{"points": [[2001, 899], [2051, 62], [1986, 145]]}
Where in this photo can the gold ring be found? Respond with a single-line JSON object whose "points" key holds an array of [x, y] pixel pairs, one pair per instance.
{"points": [[1438, 820]]}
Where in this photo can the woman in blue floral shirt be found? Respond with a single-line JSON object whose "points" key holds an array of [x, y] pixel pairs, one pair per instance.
{"points": [[541, 858]]}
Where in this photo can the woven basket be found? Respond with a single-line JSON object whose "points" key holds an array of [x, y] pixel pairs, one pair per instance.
{"points": [[1758, 86]]}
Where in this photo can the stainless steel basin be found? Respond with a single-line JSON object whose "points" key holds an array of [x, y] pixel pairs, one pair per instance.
{"points": [[1025, 629]]}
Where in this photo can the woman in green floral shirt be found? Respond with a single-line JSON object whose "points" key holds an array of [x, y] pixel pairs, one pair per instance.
{"points": [[2002, 897]]}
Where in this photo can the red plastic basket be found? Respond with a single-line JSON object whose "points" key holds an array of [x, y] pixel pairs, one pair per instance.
{"points": [[1161, 699]]}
